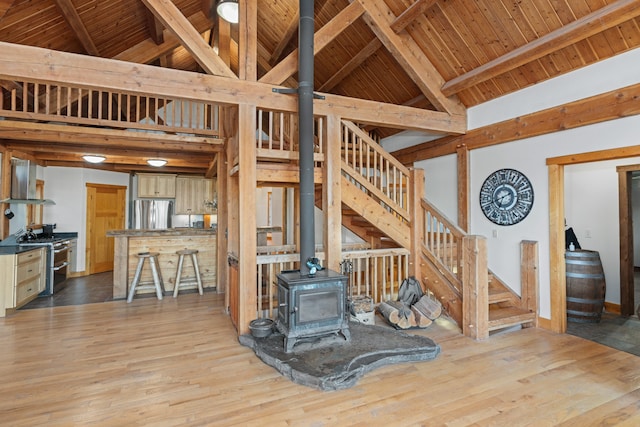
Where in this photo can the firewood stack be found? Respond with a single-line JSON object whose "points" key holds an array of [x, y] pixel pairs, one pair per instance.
{"points": [[413, 309]]}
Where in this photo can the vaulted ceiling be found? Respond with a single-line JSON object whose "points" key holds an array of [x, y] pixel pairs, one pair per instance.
{"points": [[443, 55]]}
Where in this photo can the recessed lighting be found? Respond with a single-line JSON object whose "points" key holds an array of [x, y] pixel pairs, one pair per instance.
{"points": [[91, 158], [156, 163]]}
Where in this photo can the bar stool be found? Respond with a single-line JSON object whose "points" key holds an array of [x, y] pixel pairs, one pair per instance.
{"points": [[156, 283], [190, 281]]}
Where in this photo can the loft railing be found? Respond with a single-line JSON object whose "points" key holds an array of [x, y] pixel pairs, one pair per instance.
{"points": [[277, 135], [43, 101]]}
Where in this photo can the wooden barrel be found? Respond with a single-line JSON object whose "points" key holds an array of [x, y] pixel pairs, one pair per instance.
{"points": [[585, 286]]}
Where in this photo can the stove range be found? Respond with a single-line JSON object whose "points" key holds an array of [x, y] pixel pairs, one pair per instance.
{"points": [[40, 241]]}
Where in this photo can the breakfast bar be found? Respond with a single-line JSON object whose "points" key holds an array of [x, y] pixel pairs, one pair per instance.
{"points": [[128, 243]]}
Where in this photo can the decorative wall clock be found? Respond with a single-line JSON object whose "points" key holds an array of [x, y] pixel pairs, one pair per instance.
{"points": [[506, 197]]}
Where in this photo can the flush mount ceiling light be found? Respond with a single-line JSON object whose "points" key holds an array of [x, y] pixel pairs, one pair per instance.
{"points": [[228, 10], [156, 163], [91, 158]]}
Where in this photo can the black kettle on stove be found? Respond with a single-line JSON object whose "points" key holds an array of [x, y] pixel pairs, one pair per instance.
{"points": [[29, 236]]}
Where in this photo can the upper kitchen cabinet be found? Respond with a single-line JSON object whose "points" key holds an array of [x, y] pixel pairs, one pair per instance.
{"points": [[194, 195], [156, 185]]}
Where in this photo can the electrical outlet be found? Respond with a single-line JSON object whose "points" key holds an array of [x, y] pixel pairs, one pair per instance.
{"points": [[587, 233], [494, 233]]}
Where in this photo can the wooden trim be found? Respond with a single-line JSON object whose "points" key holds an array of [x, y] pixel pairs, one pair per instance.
{"points": [[529, 277], [557, 279], [222, 225], [463, 187], [610, 307], [625, 223], [593, 156]]}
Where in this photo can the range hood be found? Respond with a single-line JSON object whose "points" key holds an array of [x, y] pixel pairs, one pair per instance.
{"points": [[23, 184]]}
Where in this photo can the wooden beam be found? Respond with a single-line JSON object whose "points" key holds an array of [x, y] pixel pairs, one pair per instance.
{"points": [[248, 44], [595, 109], [322, 37], [410, 14], [156, 29], [62, 67], [464, 184], [44, 132], [148, 50], [410, 57], [351, 65], [70, 14], [172, 18], [332, 195], [286, 38], [557, 280], [596, 22]]}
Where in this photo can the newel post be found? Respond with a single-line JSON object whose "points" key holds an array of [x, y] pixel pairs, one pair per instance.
{"points": [[416, 187], [475, 288]]}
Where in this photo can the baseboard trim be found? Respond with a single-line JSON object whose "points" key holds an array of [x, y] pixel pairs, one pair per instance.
{"points": [[611, 307]]}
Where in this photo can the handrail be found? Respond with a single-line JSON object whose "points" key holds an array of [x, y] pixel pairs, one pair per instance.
{"points": [[365, 156]]}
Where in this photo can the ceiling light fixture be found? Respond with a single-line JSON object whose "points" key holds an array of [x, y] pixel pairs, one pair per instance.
{"points": [[92, 158], [228, 10], [156, 163]]}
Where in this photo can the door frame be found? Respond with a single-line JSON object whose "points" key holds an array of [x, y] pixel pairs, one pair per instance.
{"points": [[90, 218], [557, 279], [627, 287]]}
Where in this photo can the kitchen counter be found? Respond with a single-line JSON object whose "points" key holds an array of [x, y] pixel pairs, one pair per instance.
{"points": [[128, 243], [15, 249]]}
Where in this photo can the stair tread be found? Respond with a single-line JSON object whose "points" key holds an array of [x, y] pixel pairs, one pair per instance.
{"points": [[502, 317]]}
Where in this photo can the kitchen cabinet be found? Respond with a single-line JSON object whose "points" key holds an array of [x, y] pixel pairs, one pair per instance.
{"points": [[194, 195], [156, 185], [22, 277]]}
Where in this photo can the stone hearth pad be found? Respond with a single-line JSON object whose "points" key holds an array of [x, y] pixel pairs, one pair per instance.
{"points": [[332, 363]]}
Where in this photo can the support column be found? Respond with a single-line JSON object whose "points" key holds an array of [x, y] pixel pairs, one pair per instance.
{"points": [[332, 196]]}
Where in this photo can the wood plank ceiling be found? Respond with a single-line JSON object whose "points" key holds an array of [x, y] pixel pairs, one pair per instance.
{"points": [[429, 54]]}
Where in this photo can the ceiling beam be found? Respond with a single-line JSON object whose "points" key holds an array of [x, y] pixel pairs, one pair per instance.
{"points": [[86, 71], [596, 22], [410, 57], [354, 63], [410, 14], [104, 138], [156, 29], [72, 17], [322, 37], [148, 51], [172, 18], [595, 109], [286, 38]]}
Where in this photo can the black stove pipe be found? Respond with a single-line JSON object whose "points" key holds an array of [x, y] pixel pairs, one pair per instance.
{"points": [[306, 134]]}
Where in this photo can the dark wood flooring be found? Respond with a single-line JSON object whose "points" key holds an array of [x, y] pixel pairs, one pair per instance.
{"points": [[79, 290]]}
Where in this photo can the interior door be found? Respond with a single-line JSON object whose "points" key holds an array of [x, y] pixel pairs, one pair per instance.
{"points": [[105, 211]]}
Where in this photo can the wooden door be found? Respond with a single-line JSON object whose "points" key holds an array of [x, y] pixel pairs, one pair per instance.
{"points": [[105, 211]]}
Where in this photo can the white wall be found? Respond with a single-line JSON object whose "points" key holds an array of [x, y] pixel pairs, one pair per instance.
{"points": [[67, 187], [591, 190]]}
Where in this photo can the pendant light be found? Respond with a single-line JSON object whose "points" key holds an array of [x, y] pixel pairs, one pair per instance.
{"points": [[228, 10]]}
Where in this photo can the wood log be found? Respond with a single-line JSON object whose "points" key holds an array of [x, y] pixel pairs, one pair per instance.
{"points": [[421, 320], [390, 313], [406, 318], [429, 306]]}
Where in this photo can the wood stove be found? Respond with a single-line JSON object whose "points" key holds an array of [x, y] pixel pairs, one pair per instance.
{"points": [[310, 306]]}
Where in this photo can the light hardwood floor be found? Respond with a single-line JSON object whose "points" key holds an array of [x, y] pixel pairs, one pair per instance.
{"points": [[178, 362]]}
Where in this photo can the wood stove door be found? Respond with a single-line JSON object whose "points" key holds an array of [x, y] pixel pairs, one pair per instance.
{"points": [[283, 307]]}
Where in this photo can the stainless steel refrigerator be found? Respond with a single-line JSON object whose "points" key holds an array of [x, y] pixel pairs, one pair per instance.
{"points": [[152, 214]]}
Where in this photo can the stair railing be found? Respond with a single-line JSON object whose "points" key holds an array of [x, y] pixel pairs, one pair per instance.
{"points": [[374, 170]]}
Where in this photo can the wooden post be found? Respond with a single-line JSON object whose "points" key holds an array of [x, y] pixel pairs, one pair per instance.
{"points": [[416, 186], [475, 288], [247, 295], [223, 223], [332, 196], [120, 266], [463, 187], [557, 277], [529, 277], [5, 192], [625, 212]]}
